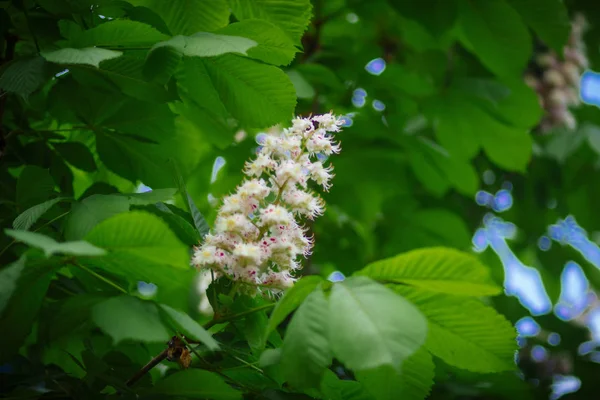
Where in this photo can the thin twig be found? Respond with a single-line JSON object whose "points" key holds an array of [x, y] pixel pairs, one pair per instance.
{"points": [[102, 278], [146, 368]]}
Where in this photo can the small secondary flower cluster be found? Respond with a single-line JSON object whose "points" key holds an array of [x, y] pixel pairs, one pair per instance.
{"points": [[257, 239], [556, 81]]}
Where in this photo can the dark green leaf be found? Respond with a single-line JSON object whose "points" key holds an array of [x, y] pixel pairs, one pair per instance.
{"points": [[24, 76], [497, 35], [76, 154], [548, 18], [34, 186], [29, 217], [197, 384]]}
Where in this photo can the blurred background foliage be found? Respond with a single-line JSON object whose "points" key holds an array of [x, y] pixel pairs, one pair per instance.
{"points": [[449, 104]]}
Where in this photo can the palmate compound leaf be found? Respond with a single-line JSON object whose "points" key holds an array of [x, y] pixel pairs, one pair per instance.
{"points": [[118, 33], [306, 348], [50, 246], [464, 332], [371, 326], [435, 269]]}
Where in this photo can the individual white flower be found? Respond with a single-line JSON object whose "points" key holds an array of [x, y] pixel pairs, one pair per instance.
{"points": [[321, 142], [328, 122], [238, 223], [249, 252], [254, 188], [262, 163], [275, 215], [321, 175], [304, 203], [289, 172]]}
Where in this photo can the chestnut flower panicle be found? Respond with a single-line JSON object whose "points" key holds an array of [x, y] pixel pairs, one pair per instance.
{"points": [[257, 240]]}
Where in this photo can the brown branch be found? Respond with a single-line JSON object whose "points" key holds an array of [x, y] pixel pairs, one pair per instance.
{"points": [[146, 368]]}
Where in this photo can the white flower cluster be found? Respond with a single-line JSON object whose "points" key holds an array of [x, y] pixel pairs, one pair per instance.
{"points": [[556, 81], [257, 239]]}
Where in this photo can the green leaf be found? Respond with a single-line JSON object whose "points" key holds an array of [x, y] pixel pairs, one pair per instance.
{"points": [[413, 382], [306, 351], [92, 210], [133, 160], [185, 17], [34, 186], [272, 44], [205, 44], [464, 332], [190, 328], [89, 56], [435, 269], [256, 94], [548, 18], [303, 89], [9, 277], [51, 246], [141, 234], [371, 326], [29, 217], [507, 146], [437, 169], [76, 154], [291, 300], [497, 34], [292, 16], [334, 388], [199, 220], [118, 33], [24, 76], [142, 248], [437, 16], [179, 224], [196, 384], [161, 63], [129, 318], [151, 197], [23, 306]]}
